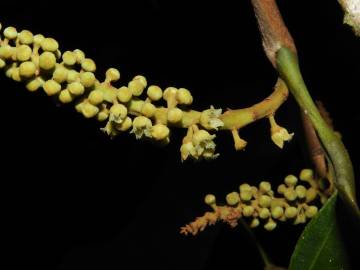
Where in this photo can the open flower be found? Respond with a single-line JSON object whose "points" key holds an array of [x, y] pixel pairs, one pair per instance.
{"points": [[210, 118], [141, 127], [279, 134], [199, 144]]}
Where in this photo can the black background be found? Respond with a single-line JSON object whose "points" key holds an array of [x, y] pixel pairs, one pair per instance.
{"points": [[74, 199]]}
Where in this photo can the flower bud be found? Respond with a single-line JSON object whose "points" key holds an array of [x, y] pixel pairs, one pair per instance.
{"points": [[49, 44], [160, 132], [270, 225], [154, 92], [23, 53], [232, 198], [27, 69], [291, 212], [148, 109], [174, 115], [184, 96], [210, 199], [65, 96], [124, 94], [112, 75], [248, 211], [69, 58], [291, 180], [88, 65], [87, 79], [10, 32], [76, 88], [51, 87], [264, 213], [311, 211], [47, 60]]}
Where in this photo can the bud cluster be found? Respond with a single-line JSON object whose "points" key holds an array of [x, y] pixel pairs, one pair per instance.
{"points": [[297, 202]]}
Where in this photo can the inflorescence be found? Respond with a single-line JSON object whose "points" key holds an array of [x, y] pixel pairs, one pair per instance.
{"points": [[296, 202], [137, 107]]}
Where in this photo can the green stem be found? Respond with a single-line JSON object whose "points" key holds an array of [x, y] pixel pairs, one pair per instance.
{"points": [[288, 68]]}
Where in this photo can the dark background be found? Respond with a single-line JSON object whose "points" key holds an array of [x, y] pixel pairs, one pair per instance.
{"points": [[74, 199]]}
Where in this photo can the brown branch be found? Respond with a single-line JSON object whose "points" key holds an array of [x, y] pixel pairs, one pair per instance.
{"points": [[274, 33]]}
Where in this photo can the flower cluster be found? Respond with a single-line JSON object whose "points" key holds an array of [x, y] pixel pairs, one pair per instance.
{"points": [[135, 107], [256, 205], [147, 111]]}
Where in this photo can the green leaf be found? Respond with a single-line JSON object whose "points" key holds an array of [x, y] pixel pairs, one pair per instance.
{"points": [[321, 245]]}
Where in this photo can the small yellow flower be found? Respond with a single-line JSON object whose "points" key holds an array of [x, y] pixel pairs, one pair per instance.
{"points": [[278, 133]]}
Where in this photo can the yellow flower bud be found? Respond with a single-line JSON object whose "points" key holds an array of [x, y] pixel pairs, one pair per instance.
{"points": [[87, 79], [72, 76], [38, 39], [23, 53], [311, 211], [60, 74], [160, 132], [300, 191], [290, 194], [80, 55], [76, 88], [245, 188], [148, 109], [232, 198], [15, 75], [103, 115], [291, 212], [281, 189], [248, 211], [170, 92], [34, 84], [184, 96], [311, 194], [306, 175], [124, 94], [96, 97], [89, 110], [210, 199], [277, 212], [141, 122], [65, 96], [112, 75], [141, 79], [291, 180], [10, 32], [136, 87], [174, 115], [245, 195], [264, 201], [25, 37], [270, 225], [69, 58], [154, 93], [254, 223], [264, 213], [51, 87], [2, 63], [27, 69], [47, 60], [49, 44], [88, 65], [7, 51], [265, 187]]}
